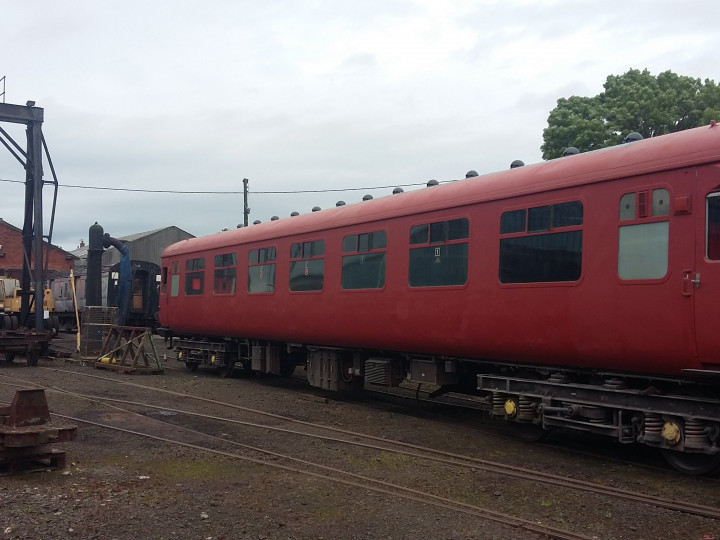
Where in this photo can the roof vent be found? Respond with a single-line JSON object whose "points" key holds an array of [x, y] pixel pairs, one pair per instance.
{"points": [[274, 218], [340, 203], [517, 163], [295, 214], [570, 151], [316, 209], [471, 174], [632, 137], [367, 197], [432, 183], [257, 222], [398, 190]]}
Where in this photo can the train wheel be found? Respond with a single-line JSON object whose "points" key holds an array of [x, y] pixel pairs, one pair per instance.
{"points": [[9, 357], [287, 366], [191, 366], [52, 326], [33, 356], [290, 361], [227, 369], [692, 464]]}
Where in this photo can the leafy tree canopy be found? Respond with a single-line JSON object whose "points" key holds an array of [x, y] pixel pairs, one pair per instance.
{"points": [[635, 101]]}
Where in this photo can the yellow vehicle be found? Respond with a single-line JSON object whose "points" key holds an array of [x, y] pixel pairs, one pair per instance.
{"points": [[11, 302]]}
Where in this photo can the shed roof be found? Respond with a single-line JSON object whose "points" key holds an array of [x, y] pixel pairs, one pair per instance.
{"points": [[82, 251]]}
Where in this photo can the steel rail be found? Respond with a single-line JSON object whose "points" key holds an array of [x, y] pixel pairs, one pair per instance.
{"points": [[357, 481], [419, 451]]}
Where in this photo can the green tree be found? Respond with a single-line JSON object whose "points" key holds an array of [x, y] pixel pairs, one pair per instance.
{"points": [[576, 121], [634, 101], [709, 102]]}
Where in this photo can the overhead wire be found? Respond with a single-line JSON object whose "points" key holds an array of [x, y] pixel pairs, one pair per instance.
{"points": [[203, 192]]}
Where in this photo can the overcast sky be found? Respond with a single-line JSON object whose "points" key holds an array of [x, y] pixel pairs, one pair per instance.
{"points": [[305, 95]]}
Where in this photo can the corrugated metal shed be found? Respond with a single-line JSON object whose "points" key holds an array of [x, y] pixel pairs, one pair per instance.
{"points": [[145, 246]]}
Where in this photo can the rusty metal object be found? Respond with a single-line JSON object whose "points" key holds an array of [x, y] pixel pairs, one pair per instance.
{"points": [[129, 349], [27, 433], [31, 343]]}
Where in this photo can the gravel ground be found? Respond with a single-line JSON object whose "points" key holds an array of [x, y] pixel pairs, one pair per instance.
{"points": [[124, 486]]}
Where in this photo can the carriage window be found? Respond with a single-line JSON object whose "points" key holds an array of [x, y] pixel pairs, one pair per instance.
{"points": [[643, 251], [174, 284], [645, 204], [260, 256], [513, 221], [419, 234], [195, 264], [261, 270], [175, 278], [713, 226], [163, 281], [444, 261], [194, 276], [627, 207], [543, 250], [539, 219], [307, 266], [138, 284], [660, 202], [225, 260], [364, 266], [80, 287], [225, 273], [567, 214], [359, 243], [643, 238]]}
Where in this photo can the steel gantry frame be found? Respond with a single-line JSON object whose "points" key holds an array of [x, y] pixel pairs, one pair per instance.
{"points": [[31, 159]]}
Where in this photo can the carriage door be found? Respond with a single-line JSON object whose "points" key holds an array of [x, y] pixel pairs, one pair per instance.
{"points": [[706, 277], [169, 286], [140, 279]]}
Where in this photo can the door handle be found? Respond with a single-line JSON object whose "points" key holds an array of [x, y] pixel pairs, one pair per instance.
{"points": [[688, 280]]}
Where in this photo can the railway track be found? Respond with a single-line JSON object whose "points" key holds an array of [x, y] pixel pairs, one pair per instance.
{"points": [[329, 434], [641, 458], [293, 464]]}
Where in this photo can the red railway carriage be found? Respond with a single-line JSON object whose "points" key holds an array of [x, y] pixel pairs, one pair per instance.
{"points": [[597, 272]]}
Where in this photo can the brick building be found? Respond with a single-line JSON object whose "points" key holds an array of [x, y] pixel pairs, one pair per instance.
{"points": [[11, 255]]}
